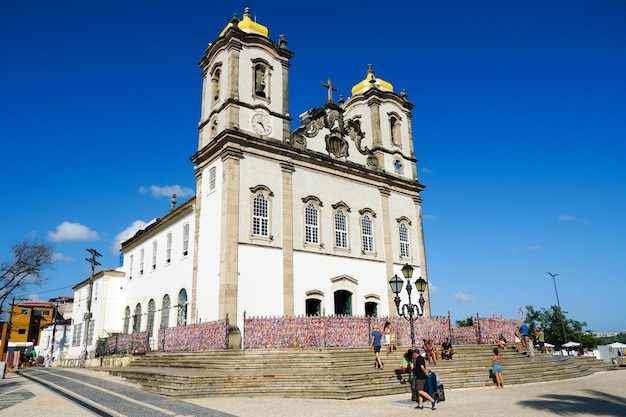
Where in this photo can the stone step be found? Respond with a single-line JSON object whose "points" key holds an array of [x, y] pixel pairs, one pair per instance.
{"points": [[331, 373]]}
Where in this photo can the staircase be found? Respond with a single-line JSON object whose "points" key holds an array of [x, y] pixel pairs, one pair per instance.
{"points": [[332, 373]]}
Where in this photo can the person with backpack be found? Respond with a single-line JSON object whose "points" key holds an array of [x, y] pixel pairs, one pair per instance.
{"points": [[420, 373]]}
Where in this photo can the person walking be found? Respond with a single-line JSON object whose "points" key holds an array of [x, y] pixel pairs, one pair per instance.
{"points": [[523, 329], [541, 339], [496, 364], [387, 336], [518, 341], [420, 373], [375, 344]]}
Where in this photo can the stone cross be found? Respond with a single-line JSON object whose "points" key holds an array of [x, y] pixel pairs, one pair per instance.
{"points": [[331, 88]]}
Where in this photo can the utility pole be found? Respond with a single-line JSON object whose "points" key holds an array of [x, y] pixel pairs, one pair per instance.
{"points": [[558, 303], [94, 263], [54, 330]]}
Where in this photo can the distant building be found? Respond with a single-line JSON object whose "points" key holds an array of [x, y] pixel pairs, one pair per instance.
{"points": [[27, 320], [311, 221]]}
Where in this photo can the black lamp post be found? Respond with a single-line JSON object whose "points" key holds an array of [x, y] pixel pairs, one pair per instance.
{"points": [[409, 311]]}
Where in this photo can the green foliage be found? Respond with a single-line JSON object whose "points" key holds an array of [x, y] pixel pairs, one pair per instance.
{"points": [[468, 322], [552, 322]]}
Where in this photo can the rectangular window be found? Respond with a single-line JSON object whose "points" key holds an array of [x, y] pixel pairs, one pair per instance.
{"points": [[212, 177], [405, 249], [130, 267], [186, 239], [154, 254], [260, 219], [141, 259], [311, 226], [341, 230], [367, 234], [77, 334], [168, 250]]}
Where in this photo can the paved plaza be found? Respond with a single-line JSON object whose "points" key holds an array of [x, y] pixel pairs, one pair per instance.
{"points": [[600, 394]]}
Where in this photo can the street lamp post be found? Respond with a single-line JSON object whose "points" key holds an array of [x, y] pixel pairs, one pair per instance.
{"points": [[410, 311], [558, 304]]}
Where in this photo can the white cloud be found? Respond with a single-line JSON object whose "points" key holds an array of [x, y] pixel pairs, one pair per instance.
{"points": [[59, 257], [426, 171], [126, 234], [67, 231], [430, 217], [432, 289], [461, 297], [565, 218], [167, 191]]}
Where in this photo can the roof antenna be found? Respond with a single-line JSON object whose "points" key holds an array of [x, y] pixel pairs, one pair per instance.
{"points": [[173, 202]]}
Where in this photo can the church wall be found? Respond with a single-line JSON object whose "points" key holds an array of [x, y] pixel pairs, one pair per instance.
{"points": [[207, 291], [315, 271], [260, 285], [258, 171], [330, 190]]}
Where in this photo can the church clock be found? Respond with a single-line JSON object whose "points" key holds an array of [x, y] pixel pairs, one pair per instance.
{"points": [[261, 124]]}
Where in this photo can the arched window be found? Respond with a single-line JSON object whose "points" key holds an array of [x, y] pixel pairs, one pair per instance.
{"points": [[126, 320], [311, 224], [137, 319], [165, 311], [181, 319], [371, 309], [405, 244], [260, 82], [367, 233], [313, 307], [341, 229], [151, 313], [343, 302], [394, 125], [215, 85], [260, 216]]}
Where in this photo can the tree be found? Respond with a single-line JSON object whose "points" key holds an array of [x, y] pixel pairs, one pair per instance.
{"points": [[550, 322], [30, 259], [468, 322]]}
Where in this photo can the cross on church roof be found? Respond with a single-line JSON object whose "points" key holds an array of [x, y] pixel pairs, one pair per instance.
{"points": [[331, 88]]}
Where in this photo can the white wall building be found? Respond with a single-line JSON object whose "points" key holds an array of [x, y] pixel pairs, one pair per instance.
{"points": [[314, 221]]}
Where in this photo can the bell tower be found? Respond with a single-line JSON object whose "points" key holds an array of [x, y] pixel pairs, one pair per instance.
{"points": [[245, 83]]}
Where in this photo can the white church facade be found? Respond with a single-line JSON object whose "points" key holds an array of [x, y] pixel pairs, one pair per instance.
{"points": [[311, 221]]}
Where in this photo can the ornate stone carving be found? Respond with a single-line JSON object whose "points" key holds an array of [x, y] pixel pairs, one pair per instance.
{"points": [[341, 131]]}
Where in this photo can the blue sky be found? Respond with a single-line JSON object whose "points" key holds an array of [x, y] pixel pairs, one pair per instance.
{"points": [[519, 127]]}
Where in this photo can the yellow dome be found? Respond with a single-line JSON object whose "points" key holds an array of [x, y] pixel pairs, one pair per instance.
{"points": [[247, 25], [371, 82]]}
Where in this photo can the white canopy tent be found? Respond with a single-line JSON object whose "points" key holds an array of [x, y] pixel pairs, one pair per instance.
{"points": [[613, 353]]}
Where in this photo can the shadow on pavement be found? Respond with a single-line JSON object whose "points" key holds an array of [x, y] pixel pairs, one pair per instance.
{"points": [[597, 403]]}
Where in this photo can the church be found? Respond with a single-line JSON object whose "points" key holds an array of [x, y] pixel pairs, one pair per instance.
{"points": [[313, 221]]}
